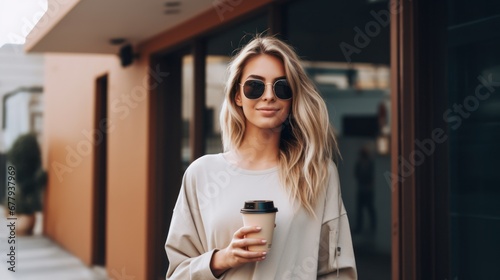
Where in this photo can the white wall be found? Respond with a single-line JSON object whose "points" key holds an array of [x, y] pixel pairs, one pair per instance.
{"points": [[18, 69], [19, 110]]}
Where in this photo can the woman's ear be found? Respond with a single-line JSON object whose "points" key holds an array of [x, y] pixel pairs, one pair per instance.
{"points": [[237, 99]]}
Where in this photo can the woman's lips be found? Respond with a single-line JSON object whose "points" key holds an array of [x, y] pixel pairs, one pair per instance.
{"points": [[268, 111]]}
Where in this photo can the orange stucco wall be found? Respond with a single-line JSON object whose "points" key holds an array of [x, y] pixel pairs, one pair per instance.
{"points": [[69, 100], [127, 172]]}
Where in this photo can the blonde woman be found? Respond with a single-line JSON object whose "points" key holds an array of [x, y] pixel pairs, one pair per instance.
{"points": [[278, 145]]}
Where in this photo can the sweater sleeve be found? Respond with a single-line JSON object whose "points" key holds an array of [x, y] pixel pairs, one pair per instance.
{"points": [[187, 255], [335, 263], [336, 255]]}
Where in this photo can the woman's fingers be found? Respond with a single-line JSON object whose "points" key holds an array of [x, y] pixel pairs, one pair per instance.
{"points": [[237, 253], [241, 256], [246, 230], [249, 254], [242, 243], [241, 240]]}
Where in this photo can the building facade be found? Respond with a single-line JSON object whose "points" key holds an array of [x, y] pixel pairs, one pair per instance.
{"points": [[133, 91]]}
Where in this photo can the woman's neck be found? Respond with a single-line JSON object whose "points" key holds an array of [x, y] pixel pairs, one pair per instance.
{"points": [[258, 150]]}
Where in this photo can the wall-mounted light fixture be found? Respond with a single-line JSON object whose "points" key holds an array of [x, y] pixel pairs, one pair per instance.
{"points": [[126, 52], [127, 55], [172, 7]]}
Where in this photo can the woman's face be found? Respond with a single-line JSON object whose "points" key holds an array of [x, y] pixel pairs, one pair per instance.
{"points": [[268, 111]]}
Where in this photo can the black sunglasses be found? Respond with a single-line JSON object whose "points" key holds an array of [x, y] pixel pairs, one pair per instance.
{"points": [[254, 89]]}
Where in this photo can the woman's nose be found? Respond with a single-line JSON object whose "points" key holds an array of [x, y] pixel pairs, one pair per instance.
{"points": [[268, 92]]}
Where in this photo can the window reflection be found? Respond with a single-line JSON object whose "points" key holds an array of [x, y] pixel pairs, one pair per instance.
{"points": [[473, 121], [359, 76], [356, 89], [187, 108], [215, 81], [220, 48]]}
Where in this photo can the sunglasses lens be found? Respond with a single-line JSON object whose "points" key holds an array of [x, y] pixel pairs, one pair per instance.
{"points": [[253, 89], [282, 89]]}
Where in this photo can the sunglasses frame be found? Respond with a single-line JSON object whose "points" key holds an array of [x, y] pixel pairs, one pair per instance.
{"points": [[265, 86]]}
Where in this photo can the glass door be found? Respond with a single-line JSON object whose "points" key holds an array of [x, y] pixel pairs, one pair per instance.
{"points": [[473, 121]]}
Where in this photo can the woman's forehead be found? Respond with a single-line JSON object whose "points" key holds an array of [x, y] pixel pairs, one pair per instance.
{"points": [[264, 67]]}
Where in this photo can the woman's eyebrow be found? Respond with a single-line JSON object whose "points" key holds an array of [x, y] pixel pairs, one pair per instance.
{"points": [[263, 79], [256, 77]]}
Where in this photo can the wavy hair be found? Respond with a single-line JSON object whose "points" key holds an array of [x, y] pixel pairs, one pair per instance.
{"points": [[307, 142]]}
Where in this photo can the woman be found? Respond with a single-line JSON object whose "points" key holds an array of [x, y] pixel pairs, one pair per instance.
{"points": [[278, 146]]}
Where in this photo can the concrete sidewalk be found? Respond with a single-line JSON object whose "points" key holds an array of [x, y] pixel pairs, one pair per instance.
{"points": [[38, 258]]}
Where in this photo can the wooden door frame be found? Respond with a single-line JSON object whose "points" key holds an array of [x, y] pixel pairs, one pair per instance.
{"points": [[164, 124], [163, 150], [420, 203]]}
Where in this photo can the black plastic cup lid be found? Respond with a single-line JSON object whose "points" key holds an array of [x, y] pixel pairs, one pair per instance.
{"points": [[259, 207]]}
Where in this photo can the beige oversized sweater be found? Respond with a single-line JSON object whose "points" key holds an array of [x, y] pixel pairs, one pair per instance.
{"points": [[207, 214]]}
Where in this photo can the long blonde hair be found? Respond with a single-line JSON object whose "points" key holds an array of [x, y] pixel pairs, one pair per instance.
{"points": [[307, 142]]}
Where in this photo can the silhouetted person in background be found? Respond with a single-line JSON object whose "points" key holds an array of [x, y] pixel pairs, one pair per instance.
{"points": [[364, 173]]}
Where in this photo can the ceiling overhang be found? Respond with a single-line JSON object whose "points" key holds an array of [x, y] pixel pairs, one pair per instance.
{"points": [[88, 26]]}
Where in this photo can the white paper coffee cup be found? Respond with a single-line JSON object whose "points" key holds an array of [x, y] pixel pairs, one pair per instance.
{"points": [[260, 213]]}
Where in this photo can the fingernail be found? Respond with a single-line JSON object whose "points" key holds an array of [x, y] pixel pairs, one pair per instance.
{"points": [[258, 227], [264, 253], [263, 241]]}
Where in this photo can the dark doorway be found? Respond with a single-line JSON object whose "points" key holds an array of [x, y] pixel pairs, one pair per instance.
{"points": [[167, 131], [99, 137]]}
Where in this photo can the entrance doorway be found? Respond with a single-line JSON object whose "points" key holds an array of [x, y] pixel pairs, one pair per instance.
{"points": [[170, 148], [100, 166]]}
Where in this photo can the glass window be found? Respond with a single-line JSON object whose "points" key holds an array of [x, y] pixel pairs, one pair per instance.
{"points": [[220, 49], [345, 48], [474, 127], [187, 108], [215, 82]]}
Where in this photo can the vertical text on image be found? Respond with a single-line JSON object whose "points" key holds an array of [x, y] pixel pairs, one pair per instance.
{"points": [[11, 219]]}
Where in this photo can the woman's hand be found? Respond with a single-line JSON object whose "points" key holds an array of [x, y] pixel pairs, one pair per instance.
{"points": [[236, 254]]}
